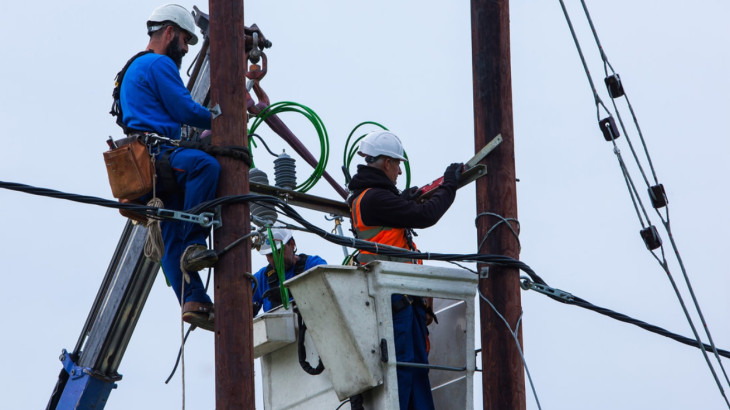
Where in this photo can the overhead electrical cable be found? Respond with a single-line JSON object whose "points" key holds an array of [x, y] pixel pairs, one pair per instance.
{"points": [[373, 247], [514, 332], [656, 191], [665, 221]]}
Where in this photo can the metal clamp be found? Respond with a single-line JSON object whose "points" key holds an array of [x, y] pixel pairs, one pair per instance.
{"points": [[215, 111], [527, 284], [338, 229], [206, 219]]}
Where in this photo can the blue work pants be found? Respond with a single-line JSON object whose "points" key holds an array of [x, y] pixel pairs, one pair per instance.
{"points": [[409, 329], [197, 175]]}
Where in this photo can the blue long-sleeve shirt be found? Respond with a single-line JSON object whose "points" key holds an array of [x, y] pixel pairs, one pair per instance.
{"points": [[263, 282], [154, 98]]}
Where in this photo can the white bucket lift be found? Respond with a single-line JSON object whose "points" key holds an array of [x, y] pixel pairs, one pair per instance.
{"points": [[348, 315]]}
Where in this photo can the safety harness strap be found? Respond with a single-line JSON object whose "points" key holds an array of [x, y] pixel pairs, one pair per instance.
{"points": [[232, 151], [116, 110], [165, 174], [167, 183]]}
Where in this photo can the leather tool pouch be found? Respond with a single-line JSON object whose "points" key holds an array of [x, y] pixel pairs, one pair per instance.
{"points": [[129, 168]]}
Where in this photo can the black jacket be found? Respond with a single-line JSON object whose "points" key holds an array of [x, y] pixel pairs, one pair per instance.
{"points": [[383, 205]]}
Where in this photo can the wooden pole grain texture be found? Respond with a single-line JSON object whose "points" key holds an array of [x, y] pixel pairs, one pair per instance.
{"points": [[503, 376], [234, 371]]}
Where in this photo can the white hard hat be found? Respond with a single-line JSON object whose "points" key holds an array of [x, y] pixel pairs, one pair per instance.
{"points": [[176, 14], [281, 236], [379, 143]]}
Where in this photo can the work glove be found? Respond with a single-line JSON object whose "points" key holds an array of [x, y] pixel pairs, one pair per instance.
{"points": [[410, 194], [452, 173]]}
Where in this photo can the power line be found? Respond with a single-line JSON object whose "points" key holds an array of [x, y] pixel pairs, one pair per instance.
{"points": [[656, 192], [287, 210]]}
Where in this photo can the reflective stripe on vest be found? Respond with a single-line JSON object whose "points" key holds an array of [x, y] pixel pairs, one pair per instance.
{"points": [[378, 234]]}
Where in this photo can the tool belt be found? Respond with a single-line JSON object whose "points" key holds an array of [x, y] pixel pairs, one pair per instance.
{"points": [[129, 168]]}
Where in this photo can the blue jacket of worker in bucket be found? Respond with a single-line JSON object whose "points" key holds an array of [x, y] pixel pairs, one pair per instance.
{"points": [[262, 279]]}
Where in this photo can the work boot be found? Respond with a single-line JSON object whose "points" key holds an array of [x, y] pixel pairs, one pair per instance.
{"points": [[199, 314], [197, 257]]}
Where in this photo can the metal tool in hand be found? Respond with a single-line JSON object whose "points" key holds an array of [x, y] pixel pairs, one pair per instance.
{"points": [[472, 170]]}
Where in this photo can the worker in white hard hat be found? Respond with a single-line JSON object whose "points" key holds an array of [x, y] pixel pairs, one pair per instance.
{"points": [[153, 99], [267, 294], [382, 214]]}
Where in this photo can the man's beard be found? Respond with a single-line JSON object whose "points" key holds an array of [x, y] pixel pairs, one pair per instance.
{"points": [[174, 51]]}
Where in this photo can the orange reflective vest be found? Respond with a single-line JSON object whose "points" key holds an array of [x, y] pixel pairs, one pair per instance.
{"points": [[379, 234]]}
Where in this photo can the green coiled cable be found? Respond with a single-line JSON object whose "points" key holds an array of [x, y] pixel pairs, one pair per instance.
{"points": [[324, 144]]}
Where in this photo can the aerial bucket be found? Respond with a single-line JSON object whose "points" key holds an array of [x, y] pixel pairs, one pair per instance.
{"points": [[341, 320], [348, 315]]}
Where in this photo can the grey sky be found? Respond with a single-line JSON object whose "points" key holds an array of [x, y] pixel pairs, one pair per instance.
{"points": [[406, 65]]}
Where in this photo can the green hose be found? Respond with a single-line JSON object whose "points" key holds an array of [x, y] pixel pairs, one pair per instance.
{"points": [[324, 144], [350, 151]]}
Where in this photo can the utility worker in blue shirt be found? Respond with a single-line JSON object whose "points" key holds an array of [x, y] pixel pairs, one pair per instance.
{"points": [[154, 99], [267, 293]]}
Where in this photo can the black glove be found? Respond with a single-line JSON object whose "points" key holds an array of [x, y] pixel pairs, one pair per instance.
{"points": [[452, 173], [410, 194]]}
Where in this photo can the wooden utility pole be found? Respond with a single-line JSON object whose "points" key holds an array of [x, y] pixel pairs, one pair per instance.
{"points": [[503, 377], [234, 375]]}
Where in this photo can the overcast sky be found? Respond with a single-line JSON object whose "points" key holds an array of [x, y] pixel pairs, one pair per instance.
{"points": [[406, 65]]}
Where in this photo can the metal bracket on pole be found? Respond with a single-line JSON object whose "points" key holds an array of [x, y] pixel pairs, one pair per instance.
{"points": [[527, 284], [206, 219], [215, 111], [338, 229]]}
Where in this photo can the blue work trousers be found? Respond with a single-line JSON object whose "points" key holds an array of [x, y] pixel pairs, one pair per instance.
{"points": [[197, 175], [409, 328]]}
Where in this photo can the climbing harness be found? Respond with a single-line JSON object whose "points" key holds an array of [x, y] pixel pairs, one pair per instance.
{"points": [[128, 162], [116, 109]]}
